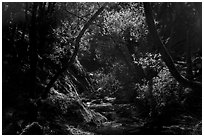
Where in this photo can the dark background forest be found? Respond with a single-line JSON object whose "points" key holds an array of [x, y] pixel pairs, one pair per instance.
{"points": [[115, 68]]}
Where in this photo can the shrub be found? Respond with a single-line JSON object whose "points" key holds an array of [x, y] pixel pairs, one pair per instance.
{"points": [[105, 84], [165, 89]]}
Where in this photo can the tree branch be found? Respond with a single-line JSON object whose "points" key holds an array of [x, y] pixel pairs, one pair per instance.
{"points": [[164, 53]]}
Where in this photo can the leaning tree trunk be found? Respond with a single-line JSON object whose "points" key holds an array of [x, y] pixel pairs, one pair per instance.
{"points": [[165, 54], [72, 59], [33, 50]]}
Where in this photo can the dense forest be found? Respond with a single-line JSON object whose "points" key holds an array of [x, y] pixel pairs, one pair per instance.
{"points": [[99, 68]]}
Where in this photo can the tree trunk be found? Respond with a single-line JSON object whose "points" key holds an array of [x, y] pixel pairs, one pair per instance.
{"points": [[165, 54], [133, 54], [71, 61], [127, 61], [152, 101], [33, 51]]}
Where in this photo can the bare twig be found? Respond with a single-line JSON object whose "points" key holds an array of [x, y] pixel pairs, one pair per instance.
{"points": [[75, 15], [82, 18]]}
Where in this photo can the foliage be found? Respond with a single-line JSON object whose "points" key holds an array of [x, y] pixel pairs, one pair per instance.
{"points": [[153, 61], [105, 84], [165, 89], [116, 22]]}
